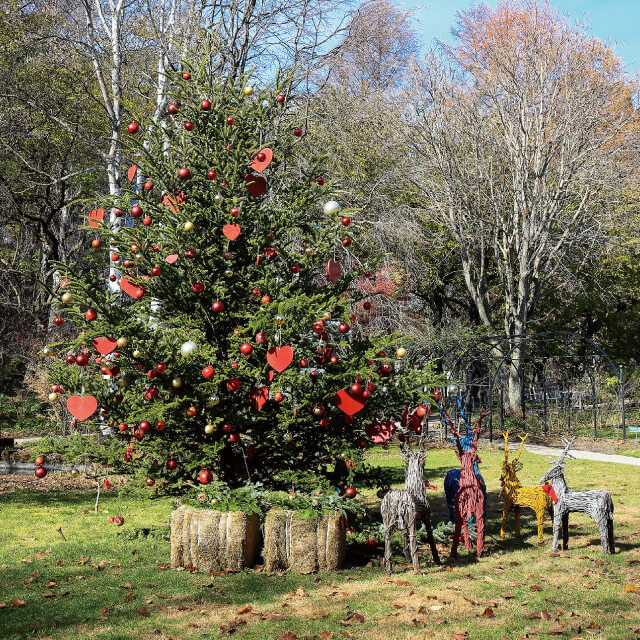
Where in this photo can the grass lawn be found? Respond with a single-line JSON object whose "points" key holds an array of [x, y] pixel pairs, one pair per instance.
{"points": [[102, 583]]}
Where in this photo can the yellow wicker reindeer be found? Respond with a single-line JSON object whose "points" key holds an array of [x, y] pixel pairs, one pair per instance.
{"points": [[516, 496]]}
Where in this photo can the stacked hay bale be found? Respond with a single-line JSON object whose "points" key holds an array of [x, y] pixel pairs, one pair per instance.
{"points": [[205, 539], [304, 544]]}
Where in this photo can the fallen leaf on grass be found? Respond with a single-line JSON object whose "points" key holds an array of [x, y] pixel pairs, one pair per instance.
{"points": [[460, 635], [300, 591], [535, 587], [488, 613], [288, 635], [129, 597], [48, 594], [325, 635], [507, 596], [544, 614], [143, 612], [401, 583], [18, 602], [232, 626], [631, 588], [246, 609]]}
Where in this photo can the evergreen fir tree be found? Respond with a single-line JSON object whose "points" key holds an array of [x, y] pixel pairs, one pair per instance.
{"points": [[227, 342]]}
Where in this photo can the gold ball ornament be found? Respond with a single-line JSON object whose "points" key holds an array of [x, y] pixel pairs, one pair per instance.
{"points": [[212, 402], [310, 252], [327, 315], [75, 473], [209, 429], [214, 500], [138, 258], [53, 396], [136, 353], [122, 342], [218, 199], [401, 352], [66, 297], [228, 273], [248, 90], [176, 383], [188, 226], [48, 352], [280, 320]]}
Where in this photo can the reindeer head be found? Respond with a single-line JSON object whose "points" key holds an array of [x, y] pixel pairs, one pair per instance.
{"points": [[557, 466], [509, 469], [413, 459]]}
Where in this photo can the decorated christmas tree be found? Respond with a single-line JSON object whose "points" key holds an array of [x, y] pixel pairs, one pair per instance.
{"points": [[214, 332]]}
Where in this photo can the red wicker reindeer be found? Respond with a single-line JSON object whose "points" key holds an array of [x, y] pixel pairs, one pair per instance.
{"points": [[469, 500]]}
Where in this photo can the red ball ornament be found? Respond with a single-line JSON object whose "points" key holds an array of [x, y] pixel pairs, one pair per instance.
{"points": [[421, 411], [90, 315], [234, 384], [71, 359], [261, 156], [113, 277], [205, 476], [278, 397], [255, 292], [245, 348], [151, 374], [208, 372], [295, 268], [188, 126], [172, 463], [58, 321], [343, 327], [313, 375], [304, 363], [366, 394], [82, 360], [160, 426], [318, 328], [234, 437], [320, 181], [346, 242], [205, 105], [95, 243], [161, 367], [190, 253], [150, 482], [148, 185], [231, 120], [351, 492], [40, 460], [127, 264], [117, 213], [356, 389], [217, 306], [40, 472], [136, 211], [261, 337], [265, 300], [318, 409], [211, 175], [234, 212], [372, 543], [192, 412], [114, 257], [156, 271], [297, 132], [280, 98], [325, 422], [133, 127], [186, 76], [173, 108], [146, 221], [226, 427], [145, 426], [346, 221], [334, 359], [123, 426], [184, 173], [197, 287], [437, 395], [367, 305]]}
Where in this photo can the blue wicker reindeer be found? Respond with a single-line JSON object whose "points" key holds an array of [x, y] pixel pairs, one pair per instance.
{"points": [[452, 479]]}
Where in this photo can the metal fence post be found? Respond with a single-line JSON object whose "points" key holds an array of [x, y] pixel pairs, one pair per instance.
{"points": [[594, 415], [544, 400]]}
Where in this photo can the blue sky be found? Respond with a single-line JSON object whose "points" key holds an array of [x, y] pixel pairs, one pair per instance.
{"points": [[610, 20]]}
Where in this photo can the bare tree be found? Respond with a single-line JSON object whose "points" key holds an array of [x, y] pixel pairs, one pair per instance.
{"points": [[522, 128]]}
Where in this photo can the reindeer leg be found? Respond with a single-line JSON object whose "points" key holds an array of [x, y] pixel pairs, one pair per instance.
{"points": [[604, 537], [516, 514], [387, 551], [565, 531], [430, 538], [557, 521], [480, 530], [414, 547], [612, 545], [405, 545], [505, 516], [465, 532], [540, 517]]}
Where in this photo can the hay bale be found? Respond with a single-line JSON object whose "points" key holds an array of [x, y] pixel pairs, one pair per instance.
{"points": [[205, 539], [304, 545]]}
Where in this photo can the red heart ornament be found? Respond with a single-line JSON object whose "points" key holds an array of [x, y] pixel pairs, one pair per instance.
{"points": [[172, 258], [83, 407], [107, 484], [131, 174], [271, 375], [334, 270], [231, 231], [130, 288], [279, 358], [347, 403], [380, 432], [256, 186], [260, 165], [259, 397], [96, 216], [172, 203], [105, 346]]}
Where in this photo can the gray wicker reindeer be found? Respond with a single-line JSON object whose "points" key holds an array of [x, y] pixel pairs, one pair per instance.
{"points": [[402, 508], [597, 504]]}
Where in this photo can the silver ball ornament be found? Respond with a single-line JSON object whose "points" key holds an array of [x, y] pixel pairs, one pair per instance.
{"points": [[218, 199], [188, 349], [331, 208]]}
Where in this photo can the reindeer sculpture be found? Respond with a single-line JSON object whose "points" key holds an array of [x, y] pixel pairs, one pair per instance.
{"points": [[515, 495], [597, 504], [452, 479], [469, 500], [403, 508]]}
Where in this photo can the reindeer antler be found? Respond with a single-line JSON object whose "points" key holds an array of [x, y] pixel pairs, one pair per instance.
{"points": [[456, 435], [505, 435], [565, 452], [520, 449]]}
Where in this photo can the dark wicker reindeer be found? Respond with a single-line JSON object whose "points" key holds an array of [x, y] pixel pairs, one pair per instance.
{"points": [[469, 500], [402, 508], [597, 504]]}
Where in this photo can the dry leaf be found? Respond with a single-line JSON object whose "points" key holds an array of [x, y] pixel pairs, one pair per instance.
{"points": [[358, 617], [300, 591], [535, 587], [246, 609], [488, 613], [18, 602], [401, 583], [143, 612], [544, 614], [288, 635], [506, 596], [129, 597], [632, 588]]}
